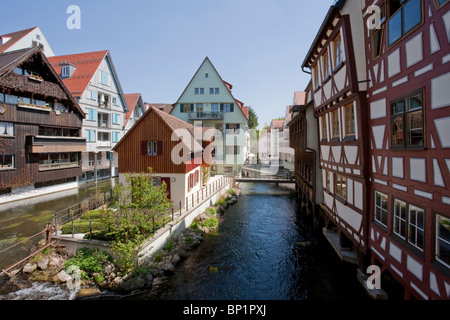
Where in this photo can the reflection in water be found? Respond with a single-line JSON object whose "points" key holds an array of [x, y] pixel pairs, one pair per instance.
{"points": [[22, 219], [259, 255]]}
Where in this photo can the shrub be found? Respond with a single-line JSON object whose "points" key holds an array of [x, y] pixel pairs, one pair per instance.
{"points": [[157, 257], [82, 226], [211, 223], [169, 246], [194, 225], [231, 192], [210, 211], [91, 261], [92, 215], [220, 202]]}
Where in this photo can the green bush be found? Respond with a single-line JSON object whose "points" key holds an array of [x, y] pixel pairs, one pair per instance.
{"points": [[92, 215], [91, 261], [169, 246], [220, 202], [194, 225], [231, 192], [210, 223], [157, 258], [210, 211]]}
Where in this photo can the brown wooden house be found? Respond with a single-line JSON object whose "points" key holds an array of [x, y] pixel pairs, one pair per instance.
{"points": [[174, 150], [40, 124]]}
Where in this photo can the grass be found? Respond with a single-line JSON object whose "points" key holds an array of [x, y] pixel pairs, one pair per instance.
{"points": [[211, 223]]}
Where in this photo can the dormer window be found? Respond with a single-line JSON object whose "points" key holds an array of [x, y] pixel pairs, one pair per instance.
{"points": [[67, 70]]}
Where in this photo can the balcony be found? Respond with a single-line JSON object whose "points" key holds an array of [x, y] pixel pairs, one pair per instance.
{"points": [[55, 144], [200, 115], [104, 144], [104, 124]]}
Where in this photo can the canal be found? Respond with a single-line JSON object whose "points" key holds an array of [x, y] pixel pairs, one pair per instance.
{"points": [[22, 219], [265, 249]]}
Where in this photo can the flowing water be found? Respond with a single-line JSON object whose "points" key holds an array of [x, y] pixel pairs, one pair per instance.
{"points": [[265, 249]]}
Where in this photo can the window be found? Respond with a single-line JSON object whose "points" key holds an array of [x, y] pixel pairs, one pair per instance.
{"points": [[197, 91], [407, 122], [115, 118], [409, 223], [202, 90], [350, 120], [104, 78], [443, 240], [228, 169], [337, 51], [328, 180], [324, 128], [381, 208], [217, 91], [2, 97], [440, 3], [232, 128], [10, 99], [58, 160], [340, 186], [91, 135], [6, 161], [316, 76], [215, 107], [153, 148], [114, 101], [335, 124], [94, 95], [227, 107], [115, 137], [92, 115], [65, 71], [405, 15], [326, 68], [6, 129], [186, 108]]}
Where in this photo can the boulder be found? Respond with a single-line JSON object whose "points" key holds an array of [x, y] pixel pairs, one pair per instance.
{"points": [[133, 283], [29, 268], [63, 276], [43, 264], [88, 292], [166, 266]]}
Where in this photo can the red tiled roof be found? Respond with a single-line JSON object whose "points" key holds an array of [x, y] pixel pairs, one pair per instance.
{"points": [[277, 123], [15, 36], [245, 111], [166, 107], [132, 100], [86, 63]]}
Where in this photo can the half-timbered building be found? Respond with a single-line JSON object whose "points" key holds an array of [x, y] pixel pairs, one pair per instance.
{"points": [[336, 61], [408, 68], [303, 131], [174, 150], [40, 126]]}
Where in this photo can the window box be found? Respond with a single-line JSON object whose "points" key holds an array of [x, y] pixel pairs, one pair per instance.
{"points": [[35, 77], [35, 107]]}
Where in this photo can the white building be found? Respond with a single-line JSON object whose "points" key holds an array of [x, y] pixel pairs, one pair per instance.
{"points": [[93, 81], [28, 38]]}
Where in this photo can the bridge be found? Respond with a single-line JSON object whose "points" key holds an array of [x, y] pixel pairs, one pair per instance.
{"points": [[265, 180]]}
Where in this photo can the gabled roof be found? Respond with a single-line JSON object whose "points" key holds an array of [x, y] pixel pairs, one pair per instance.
{"points": [[86, 66], [277, 124], [132, 100], [299, 98], [227, 85], [14, 37], [10, 60], [172, 122], [166, 107], [335, 8]]}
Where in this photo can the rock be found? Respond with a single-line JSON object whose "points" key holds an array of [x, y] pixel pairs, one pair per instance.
{"points": [[43, 264], [156, 272], [133, 283], [221, 210], [201, 218], [166, 266], [88, 292], [175, 259], [63, 276], [56, 261], [29, 268]]}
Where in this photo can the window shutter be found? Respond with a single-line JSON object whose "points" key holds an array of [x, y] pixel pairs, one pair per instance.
{"points": [[181, 108], [232, 107], [227, 126], [238, 126], [192, 108], [159, 145], [221, 107], [144, 145]]}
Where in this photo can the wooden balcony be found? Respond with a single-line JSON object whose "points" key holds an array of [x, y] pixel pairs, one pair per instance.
{"points": [[45, 144], [200, 115]]}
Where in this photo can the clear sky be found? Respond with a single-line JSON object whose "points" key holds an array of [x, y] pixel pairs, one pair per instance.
{"points": [[157, 45]]}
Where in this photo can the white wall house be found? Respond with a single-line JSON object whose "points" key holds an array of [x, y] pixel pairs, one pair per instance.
{"points": [[92, 79], [28, 38], [207, 101]]}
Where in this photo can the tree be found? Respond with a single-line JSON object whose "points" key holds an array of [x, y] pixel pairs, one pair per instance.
{"points": [[252, 118]]}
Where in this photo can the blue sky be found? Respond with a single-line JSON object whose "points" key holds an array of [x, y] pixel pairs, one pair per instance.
{"points": [[158, 45]]}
